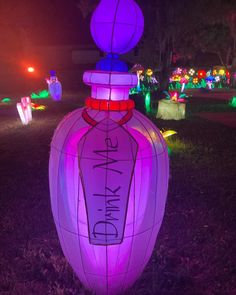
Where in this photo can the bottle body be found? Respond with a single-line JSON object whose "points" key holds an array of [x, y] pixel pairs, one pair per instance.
{"points": [[108, 269]]}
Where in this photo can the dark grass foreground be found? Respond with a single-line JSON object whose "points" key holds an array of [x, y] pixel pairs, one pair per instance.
{"points": [[195, 251]]}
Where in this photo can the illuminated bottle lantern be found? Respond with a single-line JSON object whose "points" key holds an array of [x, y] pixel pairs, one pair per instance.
{"points": [[109, 166], [54, 86]]}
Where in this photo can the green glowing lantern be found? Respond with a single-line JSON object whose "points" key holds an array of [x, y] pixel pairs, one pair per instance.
{"points": [[40, 95], [232, 102], [6, 100], [148, 102]]}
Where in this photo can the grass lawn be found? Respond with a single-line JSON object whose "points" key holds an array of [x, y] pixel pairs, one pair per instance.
{"points": [[195, 252]]}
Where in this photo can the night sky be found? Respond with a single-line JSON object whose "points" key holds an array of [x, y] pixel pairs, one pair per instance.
{"points": [[60, 22], [51, 22], [54, 22]]}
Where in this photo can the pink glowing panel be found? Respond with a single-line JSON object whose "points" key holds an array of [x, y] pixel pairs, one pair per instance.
{"points": [[110, 85], [114, 266], [119, 30], [25, 110], [110, 163]]}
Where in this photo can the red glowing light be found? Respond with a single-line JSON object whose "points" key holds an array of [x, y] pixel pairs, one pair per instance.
{"points": [[105, 105], [201, 74]]}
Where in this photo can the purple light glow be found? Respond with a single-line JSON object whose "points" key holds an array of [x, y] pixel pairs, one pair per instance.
{"points": [[119, 30], [115, 267], [54, 88]]}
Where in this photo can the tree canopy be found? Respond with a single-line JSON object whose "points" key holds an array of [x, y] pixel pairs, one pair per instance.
{"points": [[185, 28], [173, 29]]}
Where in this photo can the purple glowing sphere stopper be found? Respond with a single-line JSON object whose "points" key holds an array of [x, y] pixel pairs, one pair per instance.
{"points": [[117, 25]]}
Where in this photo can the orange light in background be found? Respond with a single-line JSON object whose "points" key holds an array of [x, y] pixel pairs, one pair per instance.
{"points": [[30, 69]]}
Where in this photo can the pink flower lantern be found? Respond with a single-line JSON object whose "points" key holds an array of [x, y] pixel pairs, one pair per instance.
{"points": [[109, 168], [139, 69], [184, 81]]}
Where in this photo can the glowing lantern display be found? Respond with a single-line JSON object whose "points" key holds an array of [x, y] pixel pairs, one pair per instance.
{"points": [[38, 107], [214, 72], [222, 72], [108, 169], [176, 78], [148, 102], [174, 96], [201, 74], [171, 110], [110, 36], [149, 72], [232, 102], [5, 100], [40, 95], [227, 74], [173, 107], [195, 80], [168, 133], [208, 73], [112, 62], [139, 70], [184, 81], [54, 87], [191, 72], [178, 71], [25, 110], [217, 78], [210, 79]]}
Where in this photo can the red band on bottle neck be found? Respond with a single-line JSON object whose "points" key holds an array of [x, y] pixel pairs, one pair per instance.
{"points": [[109, 105]]}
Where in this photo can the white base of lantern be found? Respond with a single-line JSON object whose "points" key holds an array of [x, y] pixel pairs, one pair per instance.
{"points": [[171, 110]]}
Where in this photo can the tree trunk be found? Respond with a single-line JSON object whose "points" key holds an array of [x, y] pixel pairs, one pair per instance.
{"points": [[165, 57], [220, 58]]}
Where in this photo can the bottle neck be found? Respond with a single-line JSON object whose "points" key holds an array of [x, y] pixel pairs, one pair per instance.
{"points": [[107, 85]]}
